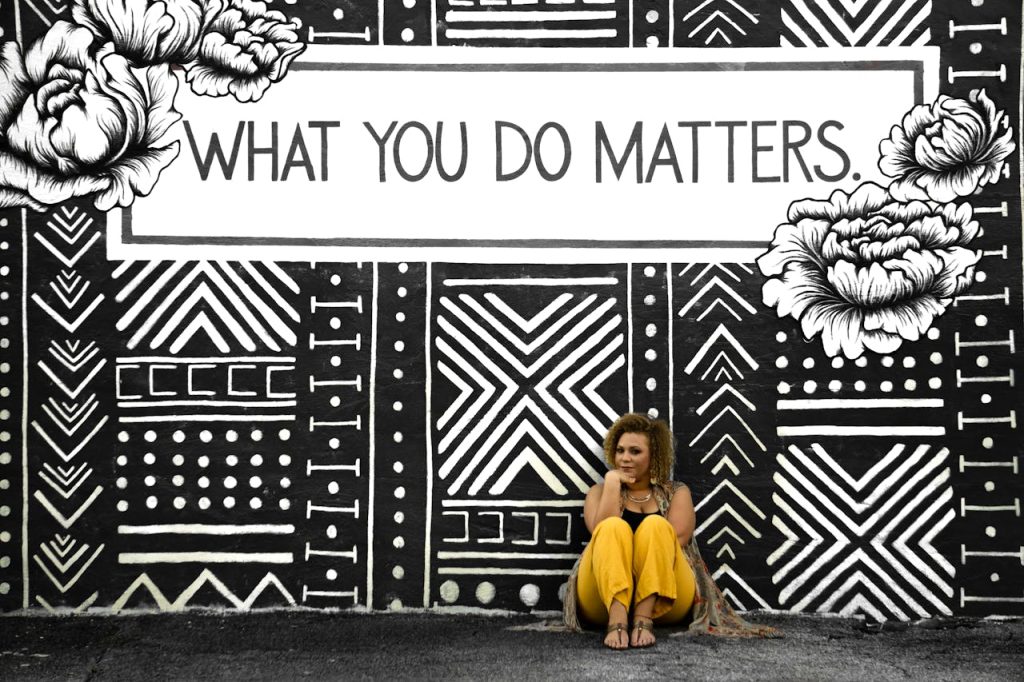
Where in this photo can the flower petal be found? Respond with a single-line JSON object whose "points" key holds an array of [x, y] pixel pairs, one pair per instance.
{"points": [[947, 150], [18, 178], [14, 86], [136, 175], [161, 87], [907, 189], [64, 44], [801, 242]]}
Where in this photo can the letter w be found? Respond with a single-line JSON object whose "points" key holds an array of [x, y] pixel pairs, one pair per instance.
{"points": [[227, 166]]}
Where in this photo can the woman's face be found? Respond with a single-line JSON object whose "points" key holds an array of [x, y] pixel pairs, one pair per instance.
{"points": [[633, 455]]}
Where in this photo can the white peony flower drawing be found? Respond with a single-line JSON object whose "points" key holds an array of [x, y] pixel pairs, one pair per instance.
{"points": [[84, 122], [946, 150], [87, 108], [865, 272], [149, 32], [246, 49]]}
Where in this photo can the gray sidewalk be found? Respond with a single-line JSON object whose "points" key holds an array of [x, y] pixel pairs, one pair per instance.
{"points": [[316, 645]]}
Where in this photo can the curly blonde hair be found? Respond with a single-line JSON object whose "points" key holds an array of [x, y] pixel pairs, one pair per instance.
{"points": [[659, 438]]}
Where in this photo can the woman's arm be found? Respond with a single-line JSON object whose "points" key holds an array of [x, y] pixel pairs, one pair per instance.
{"points": [[603, 499], [681, 515]]}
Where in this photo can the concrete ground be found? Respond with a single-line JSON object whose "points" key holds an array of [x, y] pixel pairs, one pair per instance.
{"points": [[290, 645]]}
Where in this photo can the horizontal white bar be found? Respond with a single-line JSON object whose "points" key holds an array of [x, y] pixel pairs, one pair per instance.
{"points": [[181, 360], [857, 403], [504, 555], [205, 557], [210, 418], [532, 282], [511, 503], [501, 571], [208, 529], [527, 15], [426, 54], [207, 403], [539, 33], [831, 430]]}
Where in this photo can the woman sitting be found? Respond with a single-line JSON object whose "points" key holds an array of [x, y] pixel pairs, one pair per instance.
{"points": [[635, 567]]}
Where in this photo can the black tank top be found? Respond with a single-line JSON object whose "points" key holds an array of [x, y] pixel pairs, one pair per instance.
{"points": [[634, 518]]}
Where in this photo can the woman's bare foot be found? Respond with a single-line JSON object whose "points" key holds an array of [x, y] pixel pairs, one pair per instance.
{"points": [[643, 632], [617, 634]]}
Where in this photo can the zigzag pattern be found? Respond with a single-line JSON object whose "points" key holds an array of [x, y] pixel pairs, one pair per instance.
{"points": [[855, 23], [236, 307], [863, 545], [529, 390], [206, 577]]}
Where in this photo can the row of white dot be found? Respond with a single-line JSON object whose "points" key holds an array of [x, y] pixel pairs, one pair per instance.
{"points": [[204, 503], [651, 330], [229, 482], [398, 541], [810, 386], [205, 436], [5, 436], [204, 460], [529, 594], [909, 362]]}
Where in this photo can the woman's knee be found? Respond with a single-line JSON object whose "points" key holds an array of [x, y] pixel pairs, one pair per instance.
{"points": [[655, 525], [613, 525]]}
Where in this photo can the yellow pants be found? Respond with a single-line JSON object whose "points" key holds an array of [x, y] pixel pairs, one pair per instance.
{"points": [[628, 567]]}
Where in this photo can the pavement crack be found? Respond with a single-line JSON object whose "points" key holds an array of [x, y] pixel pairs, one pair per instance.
{"points": [[94, 668]]}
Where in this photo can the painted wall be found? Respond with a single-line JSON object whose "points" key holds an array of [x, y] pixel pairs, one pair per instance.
{"points": [[411, 431]]}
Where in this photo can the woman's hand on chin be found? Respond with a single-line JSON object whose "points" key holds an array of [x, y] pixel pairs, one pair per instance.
{"points": [[620, 477]]}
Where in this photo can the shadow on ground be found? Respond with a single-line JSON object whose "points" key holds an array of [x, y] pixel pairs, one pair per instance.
{"points": [[290, 645]]}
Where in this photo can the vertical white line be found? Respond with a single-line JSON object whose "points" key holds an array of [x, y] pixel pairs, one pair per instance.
{"points": [[373, 438], [629, 334], [430, 452], [671, 371], [1020, 156], [433, 41], [24, 402], [18, 38], [380, 37]]}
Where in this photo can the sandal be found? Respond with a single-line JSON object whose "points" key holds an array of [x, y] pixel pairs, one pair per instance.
{"points": [[619, 629], [645, 624]]}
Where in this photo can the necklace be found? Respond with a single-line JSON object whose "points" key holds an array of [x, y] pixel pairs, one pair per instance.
{"points": [[640, 500]]}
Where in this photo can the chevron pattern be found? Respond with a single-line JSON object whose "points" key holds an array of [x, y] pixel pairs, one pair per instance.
{"points": [[71, 237], [64, 560], [204, 306], [70, 414], [863, 545], [855, 23], [728, 520], [724, 438], [530, 393], [46, 10], [717, 23]]}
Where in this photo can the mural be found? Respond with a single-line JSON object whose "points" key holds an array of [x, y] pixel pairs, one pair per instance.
{"points": [[269, 340]]}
